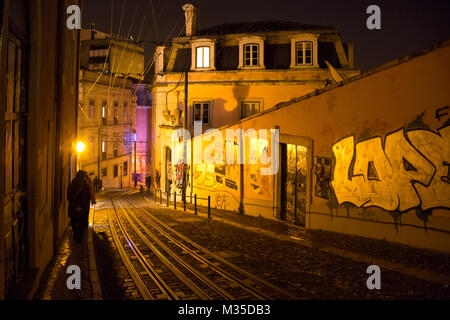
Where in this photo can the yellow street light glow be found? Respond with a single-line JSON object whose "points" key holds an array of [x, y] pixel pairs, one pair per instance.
{"points": [[80, 147]]}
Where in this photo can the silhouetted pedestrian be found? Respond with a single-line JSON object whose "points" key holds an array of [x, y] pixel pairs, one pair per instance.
{"points": [[96, 184], [148, 182], [80, 193]]}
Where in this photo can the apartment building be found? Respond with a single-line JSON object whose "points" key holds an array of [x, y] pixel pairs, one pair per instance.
{"points": [[109, 68]]}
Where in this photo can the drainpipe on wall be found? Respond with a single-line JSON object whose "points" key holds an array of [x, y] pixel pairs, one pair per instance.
{"points": [[241, 170]]}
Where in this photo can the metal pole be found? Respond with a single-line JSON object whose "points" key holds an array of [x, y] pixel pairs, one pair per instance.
{"points": [[160, 196], [167, 197], [184, 185], [195, 204], [184, 203], [175, 200], [99, 151], [209, 207], [135, 152]]}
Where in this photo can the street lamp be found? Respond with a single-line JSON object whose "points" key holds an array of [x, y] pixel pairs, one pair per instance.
{"points": [[135, 151], [80, 147]]}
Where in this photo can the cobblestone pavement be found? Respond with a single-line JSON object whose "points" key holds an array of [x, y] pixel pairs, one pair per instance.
{"points": [[295, 261], [53, 283]]}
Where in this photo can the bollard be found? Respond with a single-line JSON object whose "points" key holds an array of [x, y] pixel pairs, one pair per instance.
{"points": [[167, 197], [184, 204], [195, 204], [209, 207], [160, 196], [175, 200]]}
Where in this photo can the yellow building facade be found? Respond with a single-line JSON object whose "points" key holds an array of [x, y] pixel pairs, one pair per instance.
{"points": [[229, 72]]}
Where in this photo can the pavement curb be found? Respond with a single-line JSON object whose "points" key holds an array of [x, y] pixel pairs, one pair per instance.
{"points": [[93, 272], [422, 274]]}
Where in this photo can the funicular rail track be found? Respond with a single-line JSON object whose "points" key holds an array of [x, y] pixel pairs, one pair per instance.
{"points": [[178, 267]]}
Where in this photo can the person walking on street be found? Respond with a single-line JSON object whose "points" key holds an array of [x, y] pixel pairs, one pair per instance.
{"points": [[80, 193], [96, 184]]}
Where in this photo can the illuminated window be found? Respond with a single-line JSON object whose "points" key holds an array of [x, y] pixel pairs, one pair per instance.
{"points": [[251, 55], [104, 119], [201, 112], [202, 54], [104, 148], [304, 51]]}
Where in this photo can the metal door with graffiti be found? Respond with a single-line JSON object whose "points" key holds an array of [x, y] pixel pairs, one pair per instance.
{"points": [[168, 169], [294, 181]]}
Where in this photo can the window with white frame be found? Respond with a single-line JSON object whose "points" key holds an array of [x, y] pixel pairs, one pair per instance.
{"points": [[202, 54], [202, 57], [304, 53], [251, 55], [251, 52], [249, 108], [201, 112]]}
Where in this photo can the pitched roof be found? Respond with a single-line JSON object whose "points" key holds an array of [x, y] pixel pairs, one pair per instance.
{"points": [[260, 26]]}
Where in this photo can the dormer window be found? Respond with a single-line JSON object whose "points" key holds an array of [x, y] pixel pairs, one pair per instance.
{"points": [[203, 51], [251, 55], [202, 57], [304, 52], [251, 52]]}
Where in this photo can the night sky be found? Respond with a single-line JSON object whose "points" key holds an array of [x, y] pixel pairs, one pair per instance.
{"points": [[407, 25]]}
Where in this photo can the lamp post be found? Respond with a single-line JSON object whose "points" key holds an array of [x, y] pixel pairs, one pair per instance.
{"points": [[135, 152], [80, 148]]}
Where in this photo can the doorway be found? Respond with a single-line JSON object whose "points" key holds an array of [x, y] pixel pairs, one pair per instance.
{"points": [[168, 170], [14, 204], [294, 166]]}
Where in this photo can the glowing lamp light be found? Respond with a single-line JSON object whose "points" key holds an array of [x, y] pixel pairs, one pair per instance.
{"points": [[80, 147]]}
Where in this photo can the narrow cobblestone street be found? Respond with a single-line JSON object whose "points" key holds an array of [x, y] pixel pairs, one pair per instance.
{"points": [[255, 257]]}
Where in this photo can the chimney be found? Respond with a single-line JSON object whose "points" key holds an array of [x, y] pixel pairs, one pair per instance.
{"points": [[191, 15], [159, 60]]}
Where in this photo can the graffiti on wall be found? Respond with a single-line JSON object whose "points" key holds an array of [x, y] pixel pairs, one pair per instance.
{"points": [[221, 201], [409, 170], [322, 171]]}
